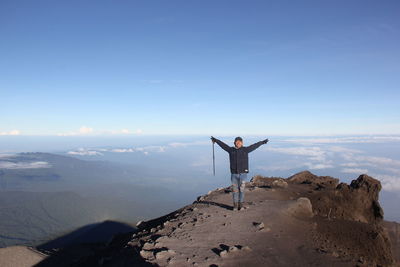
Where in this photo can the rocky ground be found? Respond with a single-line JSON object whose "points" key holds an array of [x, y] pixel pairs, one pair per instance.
{"points": [[19, 256], [304, 220]]}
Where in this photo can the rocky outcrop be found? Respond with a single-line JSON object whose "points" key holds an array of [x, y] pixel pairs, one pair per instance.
{"points": [[357, 201], [271, 182], [320, 182]]}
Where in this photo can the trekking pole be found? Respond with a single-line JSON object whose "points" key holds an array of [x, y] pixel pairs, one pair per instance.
{"points": [[213, 159]]}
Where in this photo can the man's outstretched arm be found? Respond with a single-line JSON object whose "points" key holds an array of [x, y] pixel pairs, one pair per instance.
{"points": [[256, 145], [221, 144]]}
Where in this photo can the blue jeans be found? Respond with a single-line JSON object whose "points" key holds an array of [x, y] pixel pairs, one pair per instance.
{"points": [[238, 184]]}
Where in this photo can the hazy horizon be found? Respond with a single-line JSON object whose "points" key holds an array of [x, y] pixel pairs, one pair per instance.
{"points": [[185, 162]]}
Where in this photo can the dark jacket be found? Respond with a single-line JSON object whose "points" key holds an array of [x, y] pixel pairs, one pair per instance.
{"points": [[239, 157]]}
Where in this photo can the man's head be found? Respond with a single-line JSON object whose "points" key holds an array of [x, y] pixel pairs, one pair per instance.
{"points": [[238, 142]]}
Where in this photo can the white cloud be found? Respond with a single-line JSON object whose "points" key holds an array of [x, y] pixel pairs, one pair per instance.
{"points": [[313, 157], [24, 165], [389, 182], [379, 161], [124, 131], [13, 132], [355, 170], [177, 144], [122, 150], [275, 167], [83, 130], [301, 151], [98, 152], [146, 149], [152, 148], [315, 153], [382, 163], [296, 165], [350, 164], [346, 139], [318, 166], [183, 144], [85, 152], [321, 158], [341, 149]]}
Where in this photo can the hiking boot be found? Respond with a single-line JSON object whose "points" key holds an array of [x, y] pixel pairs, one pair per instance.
{"points": [[240, 206], [235, 205]]}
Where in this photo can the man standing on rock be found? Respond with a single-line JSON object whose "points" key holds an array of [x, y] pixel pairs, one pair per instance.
{"points": [[239, 164]]}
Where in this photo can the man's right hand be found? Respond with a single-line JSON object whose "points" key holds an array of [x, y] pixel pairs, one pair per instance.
{"points": [[213, 139]]}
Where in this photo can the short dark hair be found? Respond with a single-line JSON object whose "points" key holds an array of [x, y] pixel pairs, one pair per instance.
{"points": [[238, 139]]}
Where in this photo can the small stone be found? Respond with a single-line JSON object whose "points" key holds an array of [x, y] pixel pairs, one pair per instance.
{"points": [[162, 254], [280, 183], [148, 246], [259, 225], [266, 229], [172, 262], [233, 249], [146, 254], [246, 248], [223, 254]]}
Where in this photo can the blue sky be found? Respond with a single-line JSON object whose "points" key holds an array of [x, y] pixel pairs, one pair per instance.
{"points": [[199, 67]]}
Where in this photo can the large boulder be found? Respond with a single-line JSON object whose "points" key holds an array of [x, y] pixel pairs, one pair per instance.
{"points": [[300, 208]]}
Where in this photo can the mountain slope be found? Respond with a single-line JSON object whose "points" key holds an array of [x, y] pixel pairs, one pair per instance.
{"points": [[44, 196], [304, 220], [19, 256]]}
